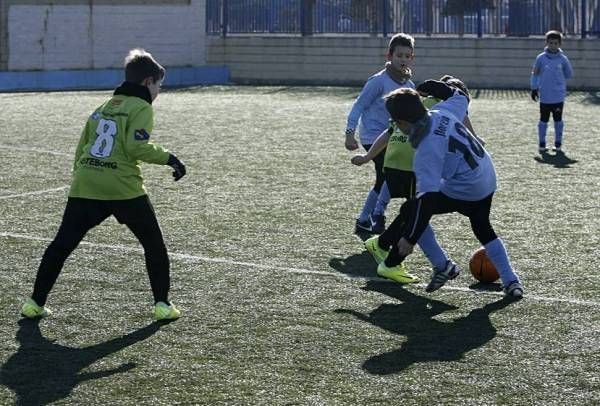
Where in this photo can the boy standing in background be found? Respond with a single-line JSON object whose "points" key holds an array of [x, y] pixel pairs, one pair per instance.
{"points": [[370, 116], [549, 76]]}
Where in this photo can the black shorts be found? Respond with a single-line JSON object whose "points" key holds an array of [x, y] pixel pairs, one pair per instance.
{"points": [[477, 211], [556, 109], [88, 213], [400, 183]]}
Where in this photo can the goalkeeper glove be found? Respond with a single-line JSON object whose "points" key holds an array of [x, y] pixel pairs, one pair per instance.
{"points": [[534, 94], [178, 167]]}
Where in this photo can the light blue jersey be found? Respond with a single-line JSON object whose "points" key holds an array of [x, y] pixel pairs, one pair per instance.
{"points": [[449, 159], [369, 112], [553, 71]]}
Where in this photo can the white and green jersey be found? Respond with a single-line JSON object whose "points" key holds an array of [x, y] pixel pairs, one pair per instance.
{"points": [[113, 144], [399, 154]]}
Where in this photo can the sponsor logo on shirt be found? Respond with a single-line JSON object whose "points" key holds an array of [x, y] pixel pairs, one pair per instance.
{"points": [[95, 116], [141, 135], [98, 163], [398, 138]]}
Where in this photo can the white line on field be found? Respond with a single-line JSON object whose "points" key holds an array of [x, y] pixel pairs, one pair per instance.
{"points": [[37, 192], [41, 151], [296, 270]]}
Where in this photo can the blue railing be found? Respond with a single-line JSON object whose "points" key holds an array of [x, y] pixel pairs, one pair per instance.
{"points": [[430, 17]]}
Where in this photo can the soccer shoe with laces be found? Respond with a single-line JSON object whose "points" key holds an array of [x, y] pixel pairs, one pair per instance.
{"points": [[441, 276], [396, 273], [514, 289], [163, 311], [378, 224], [31, 310], [372, 245], [363, 227]]}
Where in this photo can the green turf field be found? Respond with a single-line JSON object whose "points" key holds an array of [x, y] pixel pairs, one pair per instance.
{"points": [[280, 303]]}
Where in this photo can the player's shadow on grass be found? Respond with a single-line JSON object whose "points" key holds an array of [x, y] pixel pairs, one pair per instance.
{"points": [[42, 371], [427, 339], [358, 265], [486, 287], [592, 98], [558, 160]]}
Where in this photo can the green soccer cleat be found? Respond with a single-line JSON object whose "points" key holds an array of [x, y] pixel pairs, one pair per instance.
{"points": [[31, 310], [396, 273], [163, 311], [372, 245]]}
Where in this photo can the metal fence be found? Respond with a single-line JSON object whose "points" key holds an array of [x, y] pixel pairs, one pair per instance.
{"points": [[519, 18]]}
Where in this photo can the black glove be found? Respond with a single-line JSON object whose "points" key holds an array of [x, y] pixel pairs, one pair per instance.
{"points": [[438, 89], [178, 167], [534, 95]]}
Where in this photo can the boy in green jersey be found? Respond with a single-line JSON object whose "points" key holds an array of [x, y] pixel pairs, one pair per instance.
{"points": [[107, 180]]}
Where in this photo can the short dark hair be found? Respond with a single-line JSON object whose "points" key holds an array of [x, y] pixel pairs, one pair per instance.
{"points": [[554, 34], [401, 40], [140, 64], [405, 104]]}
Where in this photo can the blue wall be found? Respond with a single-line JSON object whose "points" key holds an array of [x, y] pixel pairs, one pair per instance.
{"points": [[105, 78]]}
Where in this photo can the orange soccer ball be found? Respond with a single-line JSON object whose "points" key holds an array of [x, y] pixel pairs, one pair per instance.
{"points": [[482, 268]]}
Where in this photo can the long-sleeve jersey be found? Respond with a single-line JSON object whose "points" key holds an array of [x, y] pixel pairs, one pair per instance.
{"points": [[113, 143], [368, 112], [449, 159], [550, 74]]}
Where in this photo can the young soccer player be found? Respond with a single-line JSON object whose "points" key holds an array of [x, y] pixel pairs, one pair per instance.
{"points": [[549, 76], [454, 174], [371, 117], [401, 181], [107, 180]]}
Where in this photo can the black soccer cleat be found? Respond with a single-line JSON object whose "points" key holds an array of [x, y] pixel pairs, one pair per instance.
{"points": [[363, 227], [441, 276]]}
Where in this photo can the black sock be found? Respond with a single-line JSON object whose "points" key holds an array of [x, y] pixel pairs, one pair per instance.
{"points": [[394, 258]]}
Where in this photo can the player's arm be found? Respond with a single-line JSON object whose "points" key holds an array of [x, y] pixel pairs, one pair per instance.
{"points": [[567, 68], [454, 100], [140, 148], [370, 92], [378, 146], [534, 80]]}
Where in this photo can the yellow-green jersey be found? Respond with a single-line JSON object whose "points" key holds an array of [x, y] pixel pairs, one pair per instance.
{"points": [[399, 153], [113, 144]]}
